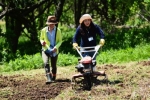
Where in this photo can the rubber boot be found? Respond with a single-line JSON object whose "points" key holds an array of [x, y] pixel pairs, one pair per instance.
{"points": [[49, 78], [48, 75], [53, 78]]}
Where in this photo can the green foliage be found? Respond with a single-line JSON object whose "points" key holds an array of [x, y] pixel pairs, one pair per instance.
{"points": [[23, 63], [66, 46], [1, 43], [67, 59], [125, 38], [6, 52], [26, 46], [121, 46], [27, 62], [138, 53], [0, 8]]}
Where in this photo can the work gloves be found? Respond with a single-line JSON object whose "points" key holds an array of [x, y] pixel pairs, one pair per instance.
{"points": [[75, 45], [102, 42], [50, 51], [44, 43]]}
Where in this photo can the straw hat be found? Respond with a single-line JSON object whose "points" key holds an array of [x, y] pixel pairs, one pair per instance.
{"points": [[51, 20], [85, 16]]}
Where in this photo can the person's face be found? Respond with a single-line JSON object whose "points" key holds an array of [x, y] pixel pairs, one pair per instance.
{"points": [[52, 26], [87, 22]]}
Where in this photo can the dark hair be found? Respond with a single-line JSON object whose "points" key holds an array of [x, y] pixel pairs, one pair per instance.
{"points": [[83, 27]]}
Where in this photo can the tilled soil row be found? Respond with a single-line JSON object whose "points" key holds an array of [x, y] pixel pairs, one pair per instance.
{"points": [[31, 89]]}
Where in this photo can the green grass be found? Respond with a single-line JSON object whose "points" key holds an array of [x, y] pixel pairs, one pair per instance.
{"points": [[27, 62], [138, 53]]}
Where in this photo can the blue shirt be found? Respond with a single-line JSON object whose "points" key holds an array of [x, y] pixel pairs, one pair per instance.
{"points": [[51, 37]]}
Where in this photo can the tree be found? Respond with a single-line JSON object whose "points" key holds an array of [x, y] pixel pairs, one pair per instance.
{"points": [[20, 15]]}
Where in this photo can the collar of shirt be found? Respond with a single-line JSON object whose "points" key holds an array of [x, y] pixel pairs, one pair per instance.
{"points": [[48, 27]]}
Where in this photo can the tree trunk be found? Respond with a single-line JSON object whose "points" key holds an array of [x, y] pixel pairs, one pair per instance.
{"points": [[77, 11], [59, 9], [13, 32], [41, 24]]}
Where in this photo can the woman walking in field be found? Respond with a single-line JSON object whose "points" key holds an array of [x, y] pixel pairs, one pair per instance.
{"points": [[51, 40]]}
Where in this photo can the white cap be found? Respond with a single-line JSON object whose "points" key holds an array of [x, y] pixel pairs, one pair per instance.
{"points": [[85, 16]]}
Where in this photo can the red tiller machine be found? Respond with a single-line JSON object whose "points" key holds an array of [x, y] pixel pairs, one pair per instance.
{"points": [[86, 67]]}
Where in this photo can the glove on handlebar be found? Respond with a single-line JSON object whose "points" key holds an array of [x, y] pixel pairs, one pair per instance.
{"points": [[102, 42], [75, 45]]}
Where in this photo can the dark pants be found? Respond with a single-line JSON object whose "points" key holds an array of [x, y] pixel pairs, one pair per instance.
{"points": [[53, 61]]}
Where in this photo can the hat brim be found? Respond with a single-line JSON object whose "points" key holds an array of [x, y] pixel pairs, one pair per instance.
{"points": [[84, 18], [48, 23]]}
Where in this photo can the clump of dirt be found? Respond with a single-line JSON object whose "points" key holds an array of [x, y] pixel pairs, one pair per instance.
{"points": [[109, 66], [144, 63], [32, 89]]}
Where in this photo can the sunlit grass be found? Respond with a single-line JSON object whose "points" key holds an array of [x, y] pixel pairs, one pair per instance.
{"points": [[138, 53], [28, 62]]}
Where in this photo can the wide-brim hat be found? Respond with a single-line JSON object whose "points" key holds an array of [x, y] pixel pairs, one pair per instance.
{"points": [[85, 16], [51, 20]]}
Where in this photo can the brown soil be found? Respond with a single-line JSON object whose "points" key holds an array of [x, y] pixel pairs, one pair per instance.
{"points": [[21, 87]]}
